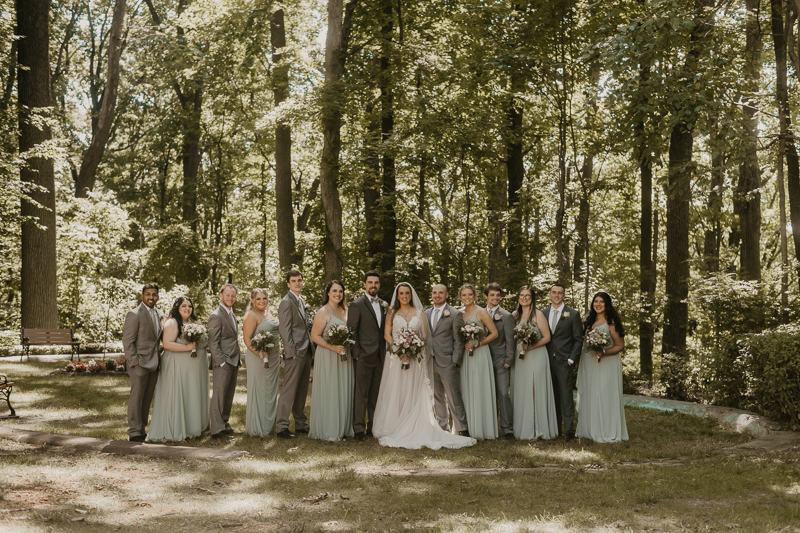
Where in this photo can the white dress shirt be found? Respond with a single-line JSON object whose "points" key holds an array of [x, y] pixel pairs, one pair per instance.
{"points": [[376, 307]]}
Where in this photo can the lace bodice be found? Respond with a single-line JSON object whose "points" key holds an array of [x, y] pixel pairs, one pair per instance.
{"points": [[414, 324]]}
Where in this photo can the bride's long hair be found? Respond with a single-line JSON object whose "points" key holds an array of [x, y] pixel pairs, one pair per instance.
{"points": [[396, 301]]}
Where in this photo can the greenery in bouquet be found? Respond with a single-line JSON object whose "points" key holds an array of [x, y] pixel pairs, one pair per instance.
{"points": [[525, 335], [472, 334], [261, 342], [193, 332], [596, 341], [407, 345], [339, 335]]}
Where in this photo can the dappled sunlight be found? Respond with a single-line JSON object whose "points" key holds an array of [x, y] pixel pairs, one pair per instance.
{"points": [[791, 490]]}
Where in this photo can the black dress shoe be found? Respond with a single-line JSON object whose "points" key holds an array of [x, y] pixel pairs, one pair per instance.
{"points": [[464, 433], [137, 438], [220, 435], [284, 434], [570, 436], [226, 432], [509, 436], [369, 433], [301, 431], [360, 435]]}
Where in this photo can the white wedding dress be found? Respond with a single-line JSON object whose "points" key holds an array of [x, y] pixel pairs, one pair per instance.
{"points": [[404, 416]]}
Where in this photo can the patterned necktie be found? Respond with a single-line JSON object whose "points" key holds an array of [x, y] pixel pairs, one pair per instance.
{"points": [[154, 318], [233, 318], [435, 318], [302, 305], [553, 319]]}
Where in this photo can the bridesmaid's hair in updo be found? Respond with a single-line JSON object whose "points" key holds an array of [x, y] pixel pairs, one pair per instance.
{"points": [[396, 305], [469, 286], [253, 295], [176, 314], [517, 314], [612, 317], [326, 298]]}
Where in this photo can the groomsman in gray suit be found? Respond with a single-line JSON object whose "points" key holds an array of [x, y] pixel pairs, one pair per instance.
{"points": [[564, 349], [141, 337], [223, 344], [502, 348], [366, 317], [444, 322], [297, 354]]}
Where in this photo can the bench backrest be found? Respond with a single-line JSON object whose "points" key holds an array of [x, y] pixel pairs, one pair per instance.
{"points": [[46, 336]]}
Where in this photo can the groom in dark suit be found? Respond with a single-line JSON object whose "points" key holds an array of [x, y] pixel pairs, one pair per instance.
{"points": [[366, 317], [564, 349]]}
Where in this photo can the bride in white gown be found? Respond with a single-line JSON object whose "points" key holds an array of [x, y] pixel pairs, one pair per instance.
{"points": [[404, 416]]}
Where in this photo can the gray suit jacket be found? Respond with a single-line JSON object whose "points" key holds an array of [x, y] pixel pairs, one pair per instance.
{"points": [[566, 342], [503, 346], [443, 342], [293, 328], [139, 340], [370, 346], [223, 339]]}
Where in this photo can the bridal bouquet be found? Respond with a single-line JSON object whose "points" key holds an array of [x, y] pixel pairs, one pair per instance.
{"points": [[472, 334], [525, 334], [597, 340], [194, 333], [339, 335], [262, 341], [407, 344]]}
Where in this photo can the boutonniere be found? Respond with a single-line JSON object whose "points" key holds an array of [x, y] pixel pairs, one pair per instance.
{"points": [[565, 314], [384, 304], [497, 317], [306, 306], [446, 313]]}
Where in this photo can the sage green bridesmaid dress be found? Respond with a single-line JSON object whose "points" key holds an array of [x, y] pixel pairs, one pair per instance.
{"points": [[532, 395], [180, 407], [262, 384], [478, 391], [601, 413], [332, 394]]}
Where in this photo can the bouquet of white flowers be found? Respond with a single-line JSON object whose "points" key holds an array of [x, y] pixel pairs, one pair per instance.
{"points": [[472, 334], [193, 332], [261, 342], [525, 334], [596, 341], [339, 335], [407, 345]]}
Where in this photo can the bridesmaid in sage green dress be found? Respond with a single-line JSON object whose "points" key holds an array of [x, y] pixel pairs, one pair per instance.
{"points": [[532, 386], [180, 408], [333, 379], [477, 372], [263, 368], [601, 413]]}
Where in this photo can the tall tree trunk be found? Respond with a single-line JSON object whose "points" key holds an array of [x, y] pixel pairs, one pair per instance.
{"points": [[388, 193], [191, 100], [516, 273], [780, 30], [372, 188], [105, 118], [713, 233], [284, 211], [748, 194], [39, 285], [497, 207], [339, 19]]}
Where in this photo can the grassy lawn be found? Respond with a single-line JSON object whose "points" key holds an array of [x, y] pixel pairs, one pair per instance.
{"points": [[675, 474]]}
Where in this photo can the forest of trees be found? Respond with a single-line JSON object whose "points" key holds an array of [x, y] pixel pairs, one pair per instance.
{"points": [[641, 147]]}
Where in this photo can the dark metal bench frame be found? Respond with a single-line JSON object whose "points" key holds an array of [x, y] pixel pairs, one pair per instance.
{"points": [[26, 341], [5, 392]]}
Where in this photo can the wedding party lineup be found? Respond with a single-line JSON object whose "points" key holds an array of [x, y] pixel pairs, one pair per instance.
{"points": [[442, 377]]}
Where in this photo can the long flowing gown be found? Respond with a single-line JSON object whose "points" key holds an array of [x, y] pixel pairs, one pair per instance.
{"points": [[180, 407], [262, 384], [534, 401], [404, 416], [331, 394], [601, 413], [478, 391]]}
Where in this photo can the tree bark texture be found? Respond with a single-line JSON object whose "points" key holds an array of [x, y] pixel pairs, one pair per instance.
{"points": [[38, 273], [516, 273], [105, 118], [713, 233], [372, 188], [284, 211], [748, 194], [388, 217], [335, 48]]}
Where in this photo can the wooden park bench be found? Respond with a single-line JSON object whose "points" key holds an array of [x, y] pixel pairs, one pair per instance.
{"points": [[48, 337], [5, 392]]}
